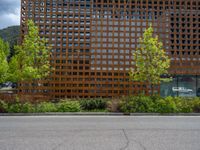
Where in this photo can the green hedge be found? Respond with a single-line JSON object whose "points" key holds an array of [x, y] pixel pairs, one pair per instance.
{"points": [[46, 107], [93, 104], [3, 107], [68, 106], [18, 107], [129, 104], [137, 104], [147, 104], [196, 105]]}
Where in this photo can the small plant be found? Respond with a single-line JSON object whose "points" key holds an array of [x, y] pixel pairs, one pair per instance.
{"points": [[159, 105], [90, 104], [184, 105], [3, 107], [166, 105], [14, 107], [127, 104], [68, 106], [130, 104], [46, 107], [137, 104], [27, 108], [196, 105]]}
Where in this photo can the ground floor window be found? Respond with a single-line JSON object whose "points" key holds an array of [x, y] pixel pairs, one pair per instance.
{"points": [[181, 85]]}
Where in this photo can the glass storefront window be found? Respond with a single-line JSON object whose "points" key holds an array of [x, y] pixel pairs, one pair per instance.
{"points": [[184, 86], [166, 88]]}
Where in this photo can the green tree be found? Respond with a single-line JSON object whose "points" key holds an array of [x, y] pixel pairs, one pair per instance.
{"points": [[4, 51], [10, 35], [31, 59], [150, 61]]}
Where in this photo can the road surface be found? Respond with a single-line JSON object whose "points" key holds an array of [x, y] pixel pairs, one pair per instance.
{"points": [[99, 133]]}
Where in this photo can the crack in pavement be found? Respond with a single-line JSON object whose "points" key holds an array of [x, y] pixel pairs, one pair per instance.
{"points": [[58, 145], [140, 144], [123, 148], [127, 140]]}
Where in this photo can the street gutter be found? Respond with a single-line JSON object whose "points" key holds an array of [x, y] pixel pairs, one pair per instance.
{"points": [[97, 114]]}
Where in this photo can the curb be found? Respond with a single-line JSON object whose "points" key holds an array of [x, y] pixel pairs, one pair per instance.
{"points": [[64, 114], [164, 114], [98, 114]]}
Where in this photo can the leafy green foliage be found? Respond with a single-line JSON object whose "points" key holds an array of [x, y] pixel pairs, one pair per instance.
{"points": [[68, 106], [4, 51], [46, 107], [155, 104], [10, 35], [184, 105], [149, 60], [32, 57], [27, 108], [166, 105], [15, 107], [3, 107], [196, 105], [91, 104], [4, 47], [130, 104], [137, 104]]}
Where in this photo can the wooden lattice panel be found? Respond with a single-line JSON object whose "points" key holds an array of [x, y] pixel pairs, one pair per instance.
{"points": [[93, 40]]}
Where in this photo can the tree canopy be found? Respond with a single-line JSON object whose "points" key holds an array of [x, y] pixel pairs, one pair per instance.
{"points": [[149, 60], [11, 35], [31, 59], [4, 51]]}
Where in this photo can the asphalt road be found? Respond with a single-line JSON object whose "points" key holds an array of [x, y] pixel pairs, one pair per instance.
{"points": [[99, 133]]}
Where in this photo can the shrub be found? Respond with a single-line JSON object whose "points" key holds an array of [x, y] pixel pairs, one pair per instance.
{"points": [[145, 104], [155, 98], [195, 104], [127, 104], [68, 106], [183, 104], [90, 104], [3, 107], [157, 104], [137, 104], [14, 107], [166, 105], [46, 107], [27, 108]]}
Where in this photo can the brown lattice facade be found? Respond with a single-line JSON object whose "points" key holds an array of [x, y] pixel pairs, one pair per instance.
{"points": [[93, 40]]}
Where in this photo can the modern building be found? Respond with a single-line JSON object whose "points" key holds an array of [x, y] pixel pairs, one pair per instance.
{"points": [[93, 40]]}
